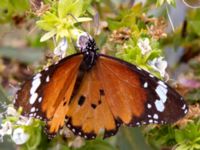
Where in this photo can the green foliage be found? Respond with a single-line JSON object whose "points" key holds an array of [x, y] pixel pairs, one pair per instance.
{"points": [[163, 136], [185, 138], [193, 96], [132, 53], [170, 2], [10, 8], [97, 144], [61, 19], [35, 131], [126, 18], [188, 138], [131, 139], [3, 96], [194, 22]]}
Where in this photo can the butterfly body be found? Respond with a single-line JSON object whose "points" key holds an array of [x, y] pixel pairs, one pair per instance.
{"points": [[92, 92]]}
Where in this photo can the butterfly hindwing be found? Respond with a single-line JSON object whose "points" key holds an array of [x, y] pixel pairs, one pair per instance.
{"points": [[88, 111], [46, 95]]}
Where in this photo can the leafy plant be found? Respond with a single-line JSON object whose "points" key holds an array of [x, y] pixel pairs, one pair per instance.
{"points": [[188, 138], [60, 21]]}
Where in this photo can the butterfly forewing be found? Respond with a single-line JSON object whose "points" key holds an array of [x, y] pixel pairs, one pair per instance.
{"points": [[46, 95], [149, 99]]}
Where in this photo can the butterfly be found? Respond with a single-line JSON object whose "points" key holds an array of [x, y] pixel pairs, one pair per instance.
{"points": [[91, 92]]}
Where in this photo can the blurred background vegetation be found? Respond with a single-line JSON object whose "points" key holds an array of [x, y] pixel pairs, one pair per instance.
{"points": [[26, 46]]}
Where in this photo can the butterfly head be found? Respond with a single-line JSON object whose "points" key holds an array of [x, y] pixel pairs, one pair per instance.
{"points": [[86, 43]]}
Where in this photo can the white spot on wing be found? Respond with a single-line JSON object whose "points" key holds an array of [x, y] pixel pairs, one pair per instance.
{"points": [[145, 85], [162, 83], [149, 116], [150, 121], [39, 99], [162, 93], [35, 84], [137, 123], [155, 116], [184, 106], [33, 109], [186, 111], [47, 79], [151, 75], [149, 106], [37, 76], [139, 68], [159, 105], [33, 98]]}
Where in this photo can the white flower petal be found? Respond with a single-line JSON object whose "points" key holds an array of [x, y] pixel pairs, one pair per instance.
{"points": [[60, 50], [6, 128], [19, 136], [158, 64], [144, 45], [12, 111]]}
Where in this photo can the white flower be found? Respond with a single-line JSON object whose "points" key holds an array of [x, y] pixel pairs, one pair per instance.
{"points": [[24, 121], [158, 64], [76, 143], [19, 136], [60, 50], [11, 111], [6, 129], [144, 45]]}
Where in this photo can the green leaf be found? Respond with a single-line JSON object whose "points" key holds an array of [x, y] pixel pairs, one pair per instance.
{"points": [[63, 7], [48, 35], [3, 96], [131, 139], [84, 19], [97, 144], [194, 24], [73, 7]]}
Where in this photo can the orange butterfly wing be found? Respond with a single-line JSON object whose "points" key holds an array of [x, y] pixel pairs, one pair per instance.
{"points": [[47, 94], [115, 92]]}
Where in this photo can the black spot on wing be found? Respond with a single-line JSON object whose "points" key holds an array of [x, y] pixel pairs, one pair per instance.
{"points": [[99, 102], [81, 100], [93, 106], [101, 91]]}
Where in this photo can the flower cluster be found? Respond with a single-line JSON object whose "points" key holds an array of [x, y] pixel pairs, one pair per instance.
{"points": [[11, 124], [144, 52], [22, 130], [158, 64]]}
